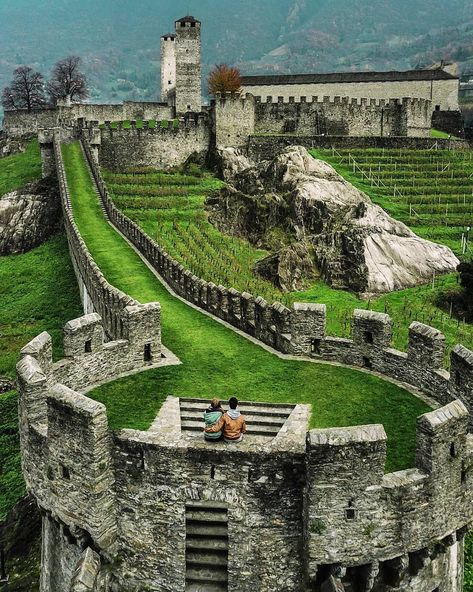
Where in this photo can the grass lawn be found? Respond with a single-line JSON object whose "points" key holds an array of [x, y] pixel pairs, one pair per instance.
{"points": [[218, 361], [38, 292], [19, 169]]}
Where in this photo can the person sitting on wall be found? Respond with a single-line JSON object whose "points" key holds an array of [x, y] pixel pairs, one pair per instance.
{"points": [[232, 422], [212, 416]]}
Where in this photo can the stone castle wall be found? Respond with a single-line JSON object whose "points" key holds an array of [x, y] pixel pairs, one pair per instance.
{"points": [[296, 507], [159, 147], [21, 122], [440, 92], [341, 116], [302, 329]]}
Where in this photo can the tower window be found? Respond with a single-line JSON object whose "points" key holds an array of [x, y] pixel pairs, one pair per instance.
{"points": [[193, 25], [169, 82], [368, 337], [88, 346], [147, 353]]}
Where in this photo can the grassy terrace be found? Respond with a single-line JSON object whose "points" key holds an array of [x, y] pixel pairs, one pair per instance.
{"points": [[218, 361], [429, 190], [19, 169]]}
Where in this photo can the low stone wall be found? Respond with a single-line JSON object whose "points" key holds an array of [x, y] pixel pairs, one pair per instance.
{"points": [[264, 147], [159, 147], [20, 122]]}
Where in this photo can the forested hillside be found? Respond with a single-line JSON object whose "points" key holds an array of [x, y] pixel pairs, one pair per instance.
{"points": [[119, 39]]}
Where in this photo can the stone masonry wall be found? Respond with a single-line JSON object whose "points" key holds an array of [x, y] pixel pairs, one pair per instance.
{"points": [[160, 147], [21, 122], [264, 147], [342, 116], [295, 508]]}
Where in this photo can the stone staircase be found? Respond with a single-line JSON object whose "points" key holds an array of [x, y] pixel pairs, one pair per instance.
{"points": [[206, 547], [262, 419]]}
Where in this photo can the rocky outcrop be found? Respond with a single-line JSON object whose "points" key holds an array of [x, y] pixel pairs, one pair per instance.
{"points": [[289, 268], [9, 145], [356, 244], [28, 217]]}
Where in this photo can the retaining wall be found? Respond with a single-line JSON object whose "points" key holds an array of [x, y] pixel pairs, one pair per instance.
{"points": [[264, 147], [159, 147]]}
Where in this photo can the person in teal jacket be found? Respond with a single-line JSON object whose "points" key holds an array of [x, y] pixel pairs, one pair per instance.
{"points": [[213, 415]]}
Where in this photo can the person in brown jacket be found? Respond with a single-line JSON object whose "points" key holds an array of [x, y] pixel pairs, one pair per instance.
{"points": [[232, 422]]}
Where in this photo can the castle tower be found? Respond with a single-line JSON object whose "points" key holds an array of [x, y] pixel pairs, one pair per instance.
{"points": [[188, 66], [168, 68]]}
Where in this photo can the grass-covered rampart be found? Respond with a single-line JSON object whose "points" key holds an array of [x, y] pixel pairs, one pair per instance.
{"points": [[217, 361]]}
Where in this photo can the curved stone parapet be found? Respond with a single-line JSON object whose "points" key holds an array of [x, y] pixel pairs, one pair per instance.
{"points": [[300, 506]]}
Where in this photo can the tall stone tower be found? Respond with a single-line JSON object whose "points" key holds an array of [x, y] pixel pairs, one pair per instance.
{"points": [[188, 65], [168, 68]]}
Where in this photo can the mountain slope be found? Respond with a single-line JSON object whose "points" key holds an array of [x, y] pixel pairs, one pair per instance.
{"points": [[119, 39]]}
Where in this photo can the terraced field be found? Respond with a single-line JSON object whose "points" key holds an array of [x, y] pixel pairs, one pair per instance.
{"points": [[170, 208], [429, 190]]}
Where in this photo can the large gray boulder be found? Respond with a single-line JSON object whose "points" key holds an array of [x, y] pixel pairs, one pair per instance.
{"points": [[28, 217], [356, 244]]}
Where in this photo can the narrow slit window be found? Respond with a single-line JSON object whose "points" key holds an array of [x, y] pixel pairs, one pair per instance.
{"points": [[88, 346], [147, 353]]}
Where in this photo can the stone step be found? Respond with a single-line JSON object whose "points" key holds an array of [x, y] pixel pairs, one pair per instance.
{"points": [[206, 575], [245, 410], [206, 516], [210, 505], [197, 426], [218, 561], [250, 420], [206, 587], [206, 544], [271, 407], [206, 530]]}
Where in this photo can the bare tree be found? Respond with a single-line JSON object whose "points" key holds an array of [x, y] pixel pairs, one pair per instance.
{"points": [[26, 90], [223, 79], [68, 81]]}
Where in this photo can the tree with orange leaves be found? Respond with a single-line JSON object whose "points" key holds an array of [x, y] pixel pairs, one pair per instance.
{"points": [[224, 78]]}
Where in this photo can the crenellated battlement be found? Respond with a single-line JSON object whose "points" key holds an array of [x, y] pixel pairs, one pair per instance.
{"points": [[97, 485], [152, 126], [339, 100]]}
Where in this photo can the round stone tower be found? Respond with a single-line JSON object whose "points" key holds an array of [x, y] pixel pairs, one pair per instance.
{"points": [[188, 65], [168, 68]]}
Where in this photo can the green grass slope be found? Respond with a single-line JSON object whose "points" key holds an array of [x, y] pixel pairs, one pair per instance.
{"points": [[217, 361], [19, 169], [38, 292]]}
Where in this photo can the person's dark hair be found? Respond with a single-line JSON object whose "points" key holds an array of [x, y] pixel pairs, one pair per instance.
{"points": [[233, 403]]}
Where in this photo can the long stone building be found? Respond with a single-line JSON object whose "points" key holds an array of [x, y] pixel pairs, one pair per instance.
{"points": [[439, 85]]}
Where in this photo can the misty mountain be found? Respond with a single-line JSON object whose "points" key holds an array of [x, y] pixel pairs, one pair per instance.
{"points": [[119, 39]]}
